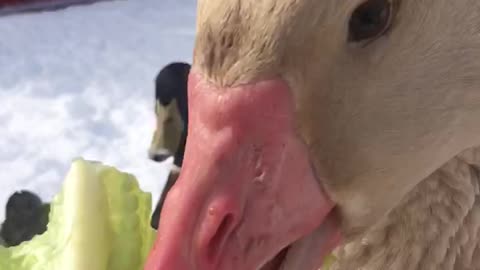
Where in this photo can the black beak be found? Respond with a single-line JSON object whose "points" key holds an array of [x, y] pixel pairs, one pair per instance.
{"points": [[159, 155]]}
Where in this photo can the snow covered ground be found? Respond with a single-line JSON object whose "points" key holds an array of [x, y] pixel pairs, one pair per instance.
{"points": [[79, 82]]}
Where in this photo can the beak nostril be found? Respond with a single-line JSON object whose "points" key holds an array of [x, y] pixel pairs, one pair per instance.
{"points": [[219, 238]]}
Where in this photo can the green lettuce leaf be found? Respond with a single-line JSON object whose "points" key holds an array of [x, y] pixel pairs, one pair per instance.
{"points": [[99, 221], [328, 262]]}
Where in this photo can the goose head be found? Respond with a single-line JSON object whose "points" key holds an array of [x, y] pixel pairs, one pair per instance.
{"points": [[170, 94], [311, 120]]}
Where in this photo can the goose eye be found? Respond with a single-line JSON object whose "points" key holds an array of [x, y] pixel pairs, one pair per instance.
{"points": [[370, 20]]}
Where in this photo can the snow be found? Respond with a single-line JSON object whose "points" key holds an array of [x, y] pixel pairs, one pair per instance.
{"points": [[79, 82]]}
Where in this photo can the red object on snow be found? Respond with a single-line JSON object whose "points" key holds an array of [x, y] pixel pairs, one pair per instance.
{"points": [[9, 7]]}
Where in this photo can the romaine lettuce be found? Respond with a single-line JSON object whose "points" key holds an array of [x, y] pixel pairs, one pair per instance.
{"points": [[99, 221]]}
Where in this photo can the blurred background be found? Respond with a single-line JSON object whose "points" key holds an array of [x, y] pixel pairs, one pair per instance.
{"points": [[79, 81]]}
